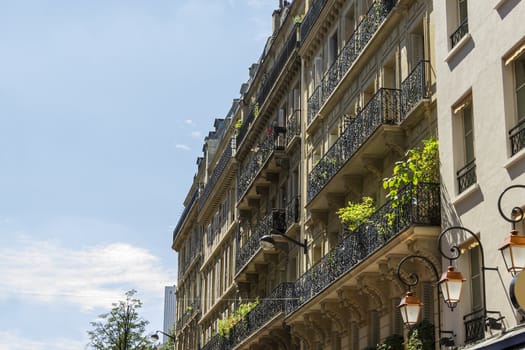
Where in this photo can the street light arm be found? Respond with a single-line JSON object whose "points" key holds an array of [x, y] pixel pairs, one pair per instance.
{"points": [[304, 244], [516, 210], [166, 334]]}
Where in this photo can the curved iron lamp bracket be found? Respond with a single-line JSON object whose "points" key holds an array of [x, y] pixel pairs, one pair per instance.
{"points": [[517, 213]]}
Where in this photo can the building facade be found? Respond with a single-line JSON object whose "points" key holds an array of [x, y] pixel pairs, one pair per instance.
{"points": [[274, 249]]}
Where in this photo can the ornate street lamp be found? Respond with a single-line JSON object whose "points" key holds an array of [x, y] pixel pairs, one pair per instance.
{"points": [[513, 247], [410, 305], [451, 284]]}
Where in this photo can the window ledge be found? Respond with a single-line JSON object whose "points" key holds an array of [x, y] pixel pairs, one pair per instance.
{"points": [[518, 157], [499, 4], [469, 192], [454, 51]]}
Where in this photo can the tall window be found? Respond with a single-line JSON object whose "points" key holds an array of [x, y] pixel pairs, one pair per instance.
{"points": [[466, 175], [462, 22], [475, 278], [517, 133]]}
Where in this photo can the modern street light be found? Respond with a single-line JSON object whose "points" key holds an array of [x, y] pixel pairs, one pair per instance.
{"points": [[155, 336]]}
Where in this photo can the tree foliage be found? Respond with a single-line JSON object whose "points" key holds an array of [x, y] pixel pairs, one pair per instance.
{"points": [[122, 328]]}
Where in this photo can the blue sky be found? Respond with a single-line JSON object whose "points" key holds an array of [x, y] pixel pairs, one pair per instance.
{"points": [[104, 105]]}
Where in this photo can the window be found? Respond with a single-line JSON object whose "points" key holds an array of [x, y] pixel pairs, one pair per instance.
{"points": [[475, 278], [517, 133], [466, 175], [332, 49], [462, 22]]}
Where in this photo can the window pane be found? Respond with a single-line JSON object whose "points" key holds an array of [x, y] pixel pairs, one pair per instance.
{"points": [[520, 101], [469, 133], [462, 10]]}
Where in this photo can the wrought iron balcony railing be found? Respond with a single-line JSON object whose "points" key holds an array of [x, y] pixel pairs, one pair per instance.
{"points": [[292, 211], [349, 53], [188, 314], [190, 254], [466, 176], [268, 82], [414, 87], [185, 213], [273, 141], [217, 172], [267, 309], [293, 126], [274, 220], [474, 326], [420, 205], [311, 16], [383, 108], [459, 33], [517, 137]]}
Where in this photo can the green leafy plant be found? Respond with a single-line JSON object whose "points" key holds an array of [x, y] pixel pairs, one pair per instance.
{"points": [[392, 342], [256, 110], [421, 336], [356, 214], [298, 19], [238, 124], [225, 325], [421, 164]]}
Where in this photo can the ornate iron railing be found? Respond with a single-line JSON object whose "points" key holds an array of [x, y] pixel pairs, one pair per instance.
{"points": [[274, 140], [459, 33], [268, 82], [293, 126], [185, 213], [274, 220], [517, 137], [419, 205], [311, 16], [474, 326], [292, 211], [466, 176], [349, 53], [217, 342], [383, 108], [217, 172], [267, 309], [414, 87], [191, 311]]}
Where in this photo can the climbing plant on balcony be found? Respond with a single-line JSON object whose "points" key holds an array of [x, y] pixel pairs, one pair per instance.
{"points": [[225, 325], [421, 336], [421, 164], [356, 214], [392, 342]]}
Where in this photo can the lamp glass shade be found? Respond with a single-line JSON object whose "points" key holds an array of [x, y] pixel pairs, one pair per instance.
{"points": [[513, 252], [410, 308], [451, 284], [155, 336], [267, 242]]}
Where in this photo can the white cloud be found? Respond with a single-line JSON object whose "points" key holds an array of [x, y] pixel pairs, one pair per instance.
{"points": [[196, 134], [10, 340], [188, 121], [91, 277], [181, 146]]}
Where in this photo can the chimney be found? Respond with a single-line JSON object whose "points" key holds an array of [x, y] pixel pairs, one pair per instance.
{"points": [[276, 20]]}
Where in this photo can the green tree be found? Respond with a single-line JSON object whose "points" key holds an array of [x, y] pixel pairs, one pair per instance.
{"points": [[356, 214], [122, 328]]}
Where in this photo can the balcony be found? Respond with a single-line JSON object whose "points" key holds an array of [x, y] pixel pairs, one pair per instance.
{"points": [[217, 172], [190, 255], [191, 311], [269, 81], [185, 213], [273, 221], [267, 309], [474, 326], [415, 88], [293, 128], [311, 17], [292, 212], [383, 108], [349, 53], [459, 33], [466, 176], [420, 205], [273, 141], [517, 137]]}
